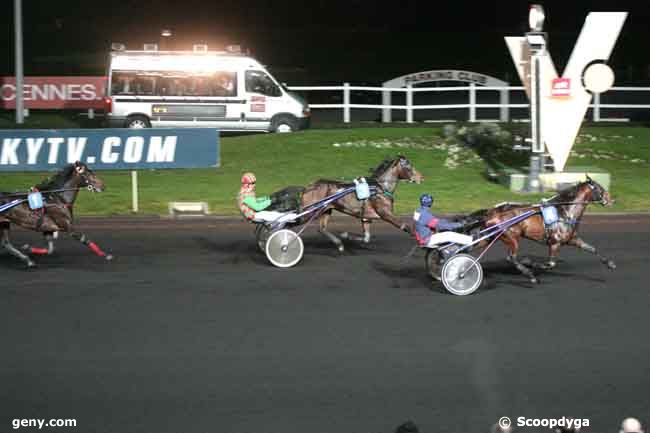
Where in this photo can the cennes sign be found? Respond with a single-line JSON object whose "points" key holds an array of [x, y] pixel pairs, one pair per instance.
{"points": [[54, 92], [102, 149]]}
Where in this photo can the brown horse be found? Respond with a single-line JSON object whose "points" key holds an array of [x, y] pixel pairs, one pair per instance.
{"points": [[384, 179], [570, 204], [60, 192]]}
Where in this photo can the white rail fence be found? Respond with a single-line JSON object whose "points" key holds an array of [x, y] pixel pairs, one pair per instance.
{"points": [[504, 106]]}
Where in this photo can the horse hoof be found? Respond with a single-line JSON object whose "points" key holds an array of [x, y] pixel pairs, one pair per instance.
{"points": [[25, 247], [534, 280], [344, 235], [109, 257], [31, 265], [341, 248], [611, 265]]}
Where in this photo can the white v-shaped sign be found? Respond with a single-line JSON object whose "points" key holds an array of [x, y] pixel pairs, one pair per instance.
{"points": [[562, 116]]}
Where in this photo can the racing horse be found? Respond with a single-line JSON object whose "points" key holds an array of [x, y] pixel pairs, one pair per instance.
{"points": [[384, 178], [570, 204], [60, 192]]}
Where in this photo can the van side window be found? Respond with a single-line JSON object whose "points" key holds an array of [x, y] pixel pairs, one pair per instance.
{"points": [[131, 83], [170, 83], [260, 82], [223, 84]]}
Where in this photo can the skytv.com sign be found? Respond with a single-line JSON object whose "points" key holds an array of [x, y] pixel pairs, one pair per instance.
{"points": [[102, 149]]}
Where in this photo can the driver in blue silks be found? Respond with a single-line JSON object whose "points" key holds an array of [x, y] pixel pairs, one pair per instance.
{"points": [[431, 231]]}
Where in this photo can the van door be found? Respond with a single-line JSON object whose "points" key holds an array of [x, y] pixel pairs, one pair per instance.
{"points": [[264, 99]]}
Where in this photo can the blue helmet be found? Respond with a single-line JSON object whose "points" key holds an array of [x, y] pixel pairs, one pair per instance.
{"points": [[426, 200]]}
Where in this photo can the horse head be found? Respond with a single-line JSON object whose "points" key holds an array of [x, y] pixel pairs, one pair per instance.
{"points": [[406, 171], [87, 178], [598, 193]]}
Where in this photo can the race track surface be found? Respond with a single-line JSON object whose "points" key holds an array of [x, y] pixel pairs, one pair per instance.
{"points": [[190, 329]]}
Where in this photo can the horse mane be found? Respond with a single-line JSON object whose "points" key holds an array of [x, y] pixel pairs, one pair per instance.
{"points": [[381, 168], [567, 194], [374, 174], [57, 179]]}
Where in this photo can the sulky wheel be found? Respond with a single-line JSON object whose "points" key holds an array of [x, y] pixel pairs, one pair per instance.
{"points": [[433, 262], [284, 248], [262, 235], [462, 274]]}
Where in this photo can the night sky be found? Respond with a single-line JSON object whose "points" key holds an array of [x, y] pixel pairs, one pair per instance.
{"points": [[317, 41]]}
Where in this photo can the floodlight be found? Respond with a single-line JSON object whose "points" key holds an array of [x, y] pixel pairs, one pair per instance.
{"points": [[536, 18]]}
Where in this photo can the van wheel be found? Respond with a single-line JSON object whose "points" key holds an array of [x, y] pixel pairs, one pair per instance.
{"points": [[283, 124], [137, 122]]}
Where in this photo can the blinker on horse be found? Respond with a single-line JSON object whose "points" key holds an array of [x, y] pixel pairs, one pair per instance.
{"points": [[60, 193]]}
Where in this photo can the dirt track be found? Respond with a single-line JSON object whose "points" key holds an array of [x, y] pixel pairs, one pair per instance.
{"points": [[191, 330]]}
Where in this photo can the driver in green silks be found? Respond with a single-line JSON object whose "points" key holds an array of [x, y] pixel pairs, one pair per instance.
{"points": [[252, 207]]}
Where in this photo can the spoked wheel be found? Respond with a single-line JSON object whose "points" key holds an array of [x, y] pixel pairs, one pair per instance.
{"points": [[284, 248], [433, 262], [262, 235], [461, 274]]}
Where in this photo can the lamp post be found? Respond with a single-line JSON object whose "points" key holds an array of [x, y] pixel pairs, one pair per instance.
{"points": [[18, 30], [537, 43], [165, 34]]}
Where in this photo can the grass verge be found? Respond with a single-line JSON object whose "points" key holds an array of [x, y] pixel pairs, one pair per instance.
{"points": [[455, 177]]}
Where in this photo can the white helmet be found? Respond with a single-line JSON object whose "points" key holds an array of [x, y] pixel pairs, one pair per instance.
{"points": [[631, 425]]}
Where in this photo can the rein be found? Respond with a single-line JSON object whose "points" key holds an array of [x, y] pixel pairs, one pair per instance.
{"points": [[50, 191]]}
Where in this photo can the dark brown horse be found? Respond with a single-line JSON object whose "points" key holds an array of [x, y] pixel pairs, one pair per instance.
{"points": [[570, 204], [59, 192], [384, 179]]}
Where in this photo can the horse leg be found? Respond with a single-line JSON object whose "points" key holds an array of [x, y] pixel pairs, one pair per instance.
{"points": [[387, 216], [322, 228], [579, 243], [365, 237], [553, 253], [81, 237], [49, 238], [513, 246], [6, 244]]}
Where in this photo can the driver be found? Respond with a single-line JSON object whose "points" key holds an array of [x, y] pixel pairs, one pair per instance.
{"points": [[252, 207], [431, 231]]}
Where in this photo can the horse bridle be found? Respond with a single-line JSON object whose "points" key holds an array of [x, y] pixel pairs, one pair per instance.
{"points": [[405, 163], [86, 182], [601, 196]]}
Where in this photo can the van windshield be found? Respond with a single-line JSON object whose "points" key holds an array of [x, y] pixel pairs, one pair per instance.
{"points": [[260, 82], [151, 83]]}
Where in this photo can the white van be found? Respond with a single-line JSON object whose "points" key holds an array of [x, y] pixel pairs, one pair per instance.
{"points": [[228, 91]]}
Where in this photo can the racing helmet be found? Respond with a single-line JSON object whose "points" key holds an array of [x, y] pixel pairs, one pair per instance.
{"points": [[248, 178], [426, 200]]}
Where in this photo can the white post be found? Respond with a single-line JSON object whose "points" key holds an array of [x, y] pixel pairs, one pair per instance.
{"points": [[472, 102], [386, 115], [91, 113], [596, 107], [346, 102], [504, 101], [134, 190], [409, 103]]}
